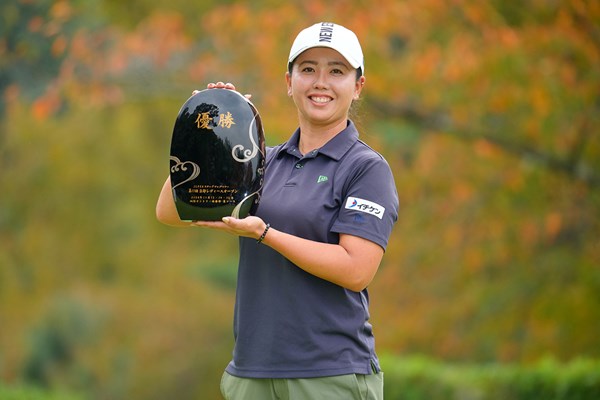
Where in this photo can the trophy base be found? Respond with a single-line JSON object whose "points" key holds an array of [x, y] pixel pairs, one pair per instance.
{"points": [[216, 213]]}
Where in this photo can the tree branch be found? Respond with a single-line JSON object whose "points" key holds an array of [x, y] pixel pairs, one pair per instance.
{"points": [[440, 121]]}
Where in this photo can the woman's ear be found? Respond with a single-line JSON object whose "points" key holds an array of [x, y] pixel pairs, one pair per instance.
{"points": [[360, 82], [288, 81]]}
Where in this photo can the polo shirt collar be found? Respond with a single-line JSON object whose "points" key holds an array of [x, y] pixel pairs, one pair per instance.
{"points": [[334, 148]]}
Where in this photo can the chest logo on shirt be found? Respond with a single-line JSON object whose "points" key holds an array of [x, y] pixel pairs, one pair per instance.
{"points": [[366, 206], [322, 178]]}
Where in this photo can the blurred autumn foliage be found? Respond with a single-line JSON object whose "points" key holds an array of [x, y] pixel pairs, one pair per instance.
{"points": [[488, 112]]}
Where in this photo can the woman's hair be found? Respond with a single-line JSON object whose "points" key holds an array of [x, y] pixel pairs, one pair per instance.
{"points": [[358, 70]]}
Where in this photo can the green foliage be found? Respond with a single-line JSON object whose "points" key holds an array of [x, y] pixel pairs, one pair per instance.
{"points": [[416, 378], [32, 393], [55, 343], [35, 34], [108, 299], [26, 44], [487, 113]]}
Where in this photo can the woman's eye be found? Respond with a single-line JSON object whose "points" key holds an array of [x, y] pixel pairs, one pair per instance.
{"points": [[307, 69]]}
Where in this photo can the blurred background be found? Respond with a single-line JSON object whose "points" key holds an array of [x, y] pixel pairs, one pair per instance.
{"points": [[487, 111]]}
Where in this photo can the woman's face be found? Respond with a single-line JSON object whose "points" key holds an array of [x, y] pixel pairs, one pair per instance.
{"points": [[323, 85]]}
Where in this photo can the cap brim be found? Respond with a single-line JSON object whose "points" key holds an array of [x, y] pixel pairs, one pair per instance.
{"points": [[295, 55]]}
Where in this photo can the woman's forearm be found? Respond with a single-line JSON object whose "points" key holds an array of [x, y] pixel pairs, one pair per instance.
{"points": [[166, 212], [351, 264]]}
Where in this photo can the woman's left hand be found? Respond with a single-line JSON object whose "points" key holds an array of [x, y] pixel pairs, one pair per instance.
{"points": [[250, 226], [221, 85]]}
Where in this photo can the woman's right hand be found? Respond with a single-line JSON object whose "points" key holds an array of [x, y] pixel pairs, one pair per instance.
{"points": [[250, 226]]}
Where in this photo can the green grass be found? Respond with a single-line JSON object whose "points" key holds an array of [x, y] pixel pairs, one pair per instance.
{"points": [[21, 392]]}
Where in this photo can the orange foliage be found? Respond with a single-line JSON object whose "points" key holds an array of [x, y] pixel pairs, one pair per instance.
{"points": [[553, 225], [486, 231], [47, 105], [61, 10], [35, 24]]}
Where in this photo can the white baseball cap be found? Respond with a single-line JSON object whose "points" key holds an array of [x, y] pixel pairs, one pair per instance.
{"points": [[327, 34]]}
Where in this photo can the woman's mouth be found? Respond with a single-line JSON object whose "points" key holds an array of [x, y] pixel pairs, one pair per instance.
{"points": [[321, 99]]}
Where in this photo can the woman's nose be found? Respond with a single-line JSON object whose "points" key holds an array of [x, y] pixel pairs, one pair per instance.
{"points": [[321, 80]]}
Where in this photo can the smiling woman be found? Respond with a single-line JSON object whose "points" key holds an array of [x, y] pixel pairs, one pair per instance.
{"points": [[320, 66], [323, 85], [315, 241]]}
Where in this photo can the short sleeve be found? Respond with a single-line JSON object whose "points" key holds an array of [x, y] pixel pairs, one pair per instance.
{"points": [[369, 201]]}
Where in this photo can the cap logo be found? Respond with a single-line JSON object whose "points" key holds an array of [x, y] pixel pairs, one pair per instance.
{"points": [[326, 33]]}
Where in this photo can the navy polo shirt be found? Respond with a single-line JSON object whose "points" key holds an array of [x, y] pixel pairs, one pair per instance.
{"points": [[287, 322]]}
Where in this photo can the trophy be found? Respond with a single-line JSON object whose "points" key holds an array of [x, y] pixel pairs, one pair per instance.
{"points": [[217, 156]]}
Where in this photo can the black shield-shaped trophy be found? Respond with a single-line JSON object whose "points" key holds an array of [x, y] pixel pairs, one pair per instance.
{"points": [[217, 156]]}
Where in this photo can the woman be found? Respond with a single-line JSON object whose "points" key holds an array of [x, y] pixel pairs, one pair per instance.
{"points": [[315, 242]]}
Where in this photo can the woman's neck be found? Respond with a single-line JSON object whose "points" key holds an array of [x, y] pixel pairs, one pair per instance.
{"points": [[313, 137]]}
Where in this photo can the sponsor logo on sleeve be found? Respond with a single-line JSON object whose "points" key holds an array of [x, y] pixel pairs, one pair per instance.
{"points": [[366, 206]]}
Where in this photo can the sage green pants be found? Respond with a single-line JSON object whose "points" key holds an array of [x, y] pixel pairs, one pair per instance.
{"points": [[342, 387]]}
